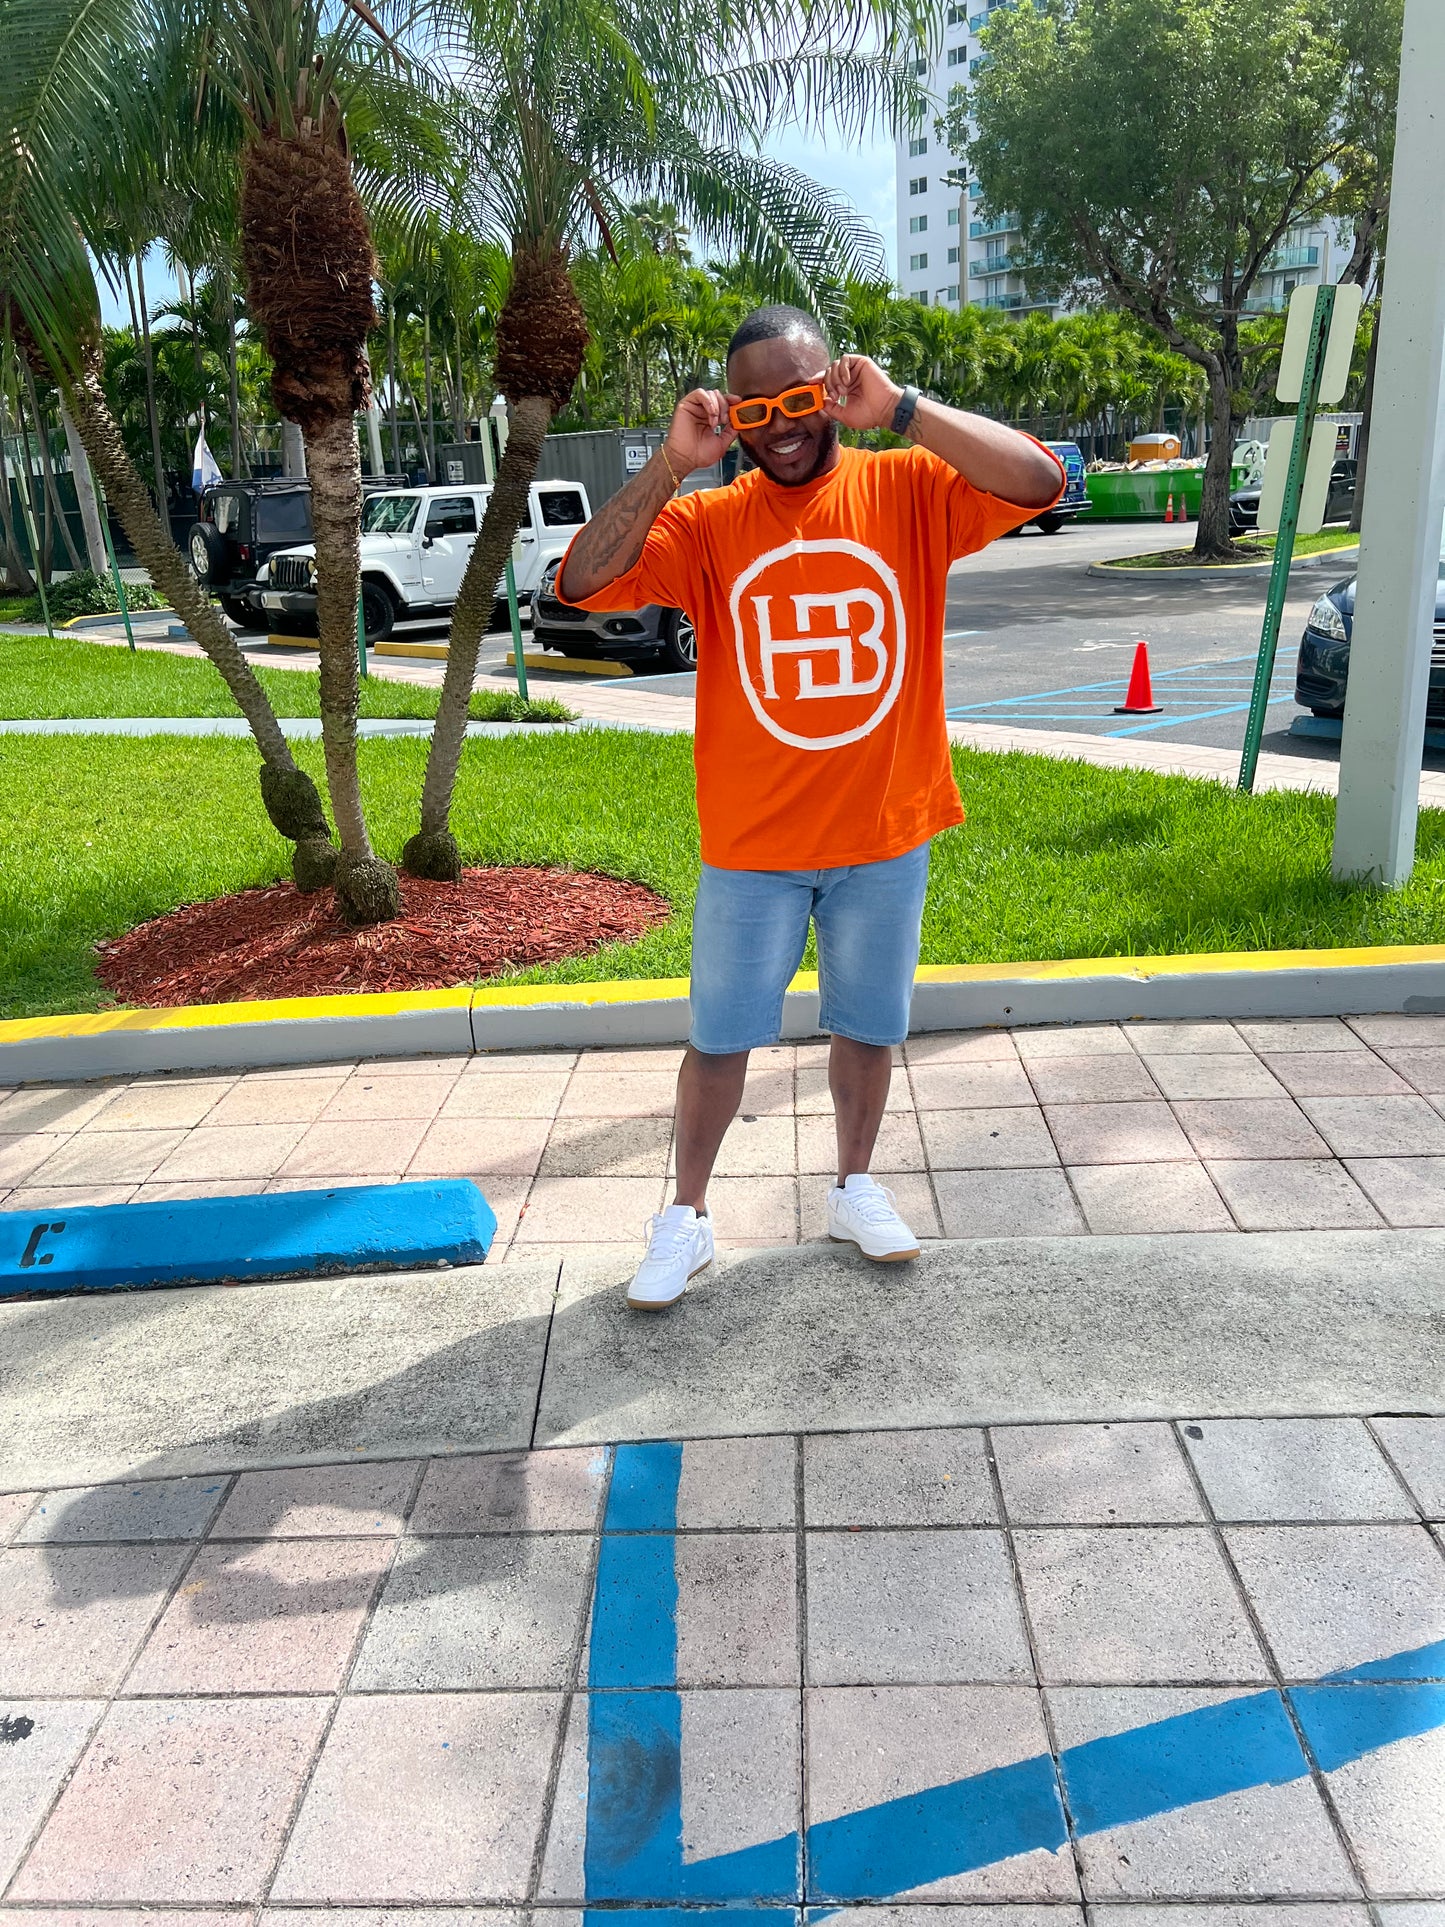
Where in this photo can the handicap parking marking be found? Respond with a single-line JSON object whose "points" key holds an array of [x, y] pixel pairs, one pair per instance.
{"points": [[1203, 689], [635, 1850]]}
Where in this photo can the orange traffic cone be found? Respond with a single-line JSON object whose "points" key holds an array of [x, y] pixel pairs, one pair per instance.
{"points": [[1140, 699], [1183, 506], [1169, 510]]}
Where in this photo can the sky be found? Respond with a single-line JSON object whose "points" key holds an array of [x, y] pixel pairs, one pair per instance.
{"points": [[862, 170]]}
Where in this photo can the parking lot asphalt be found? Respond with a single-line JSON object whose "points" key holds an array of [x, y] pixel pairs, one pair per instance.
{"points": [[1034, 641]]}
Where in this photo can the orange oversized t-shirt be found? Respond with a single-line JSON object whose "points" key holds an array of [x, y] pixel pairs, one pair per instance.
{"points": [[819, 612]]}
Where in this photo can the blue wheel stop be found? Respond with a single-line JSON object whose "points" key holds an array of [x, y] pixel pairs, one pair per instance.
{"points": [[286, 1234]]}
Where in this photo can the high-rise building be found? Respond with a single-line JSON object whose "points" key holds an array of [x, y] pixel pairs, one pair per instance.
{"points": [[950, 254]]}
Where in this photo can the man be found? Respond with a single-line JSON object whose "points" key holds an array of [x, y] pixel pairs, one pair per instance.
{"points": [[817, 587]]}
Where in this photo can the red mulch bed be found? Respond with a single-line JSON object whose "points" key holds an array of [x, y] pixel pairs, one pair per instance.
{"points": [[273, 942]]}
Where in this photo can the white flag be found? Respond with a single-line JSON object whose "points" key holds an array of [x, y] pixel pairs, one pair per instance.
{"points": [[205, 469]]}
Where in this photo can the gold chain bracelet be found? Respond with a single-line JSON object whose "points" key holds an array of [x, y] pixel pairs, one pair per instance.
{"points": [[676, 481]]}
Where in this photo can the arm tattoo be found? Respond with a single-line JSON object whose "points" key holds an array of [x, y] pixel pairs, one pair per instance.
{"points": [[612, 541]]}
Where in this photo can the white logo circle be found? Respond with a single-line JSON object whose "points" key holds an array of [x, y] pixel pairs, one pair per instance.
{"points": [[806, 644]]}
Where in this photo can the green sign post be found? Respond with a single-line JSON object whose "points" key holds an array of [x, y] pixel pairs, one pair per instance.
{"points": [[1324, 309], [114, 565]]}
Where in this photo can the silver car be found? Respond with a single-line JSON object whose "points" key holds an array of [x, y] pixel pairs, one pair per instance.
{"points": [[652, 634]]}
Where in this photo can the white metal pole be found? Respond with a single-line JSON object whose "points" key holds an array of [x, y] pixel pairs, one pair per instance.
{"points": [[373, 431], [1375, 820]]}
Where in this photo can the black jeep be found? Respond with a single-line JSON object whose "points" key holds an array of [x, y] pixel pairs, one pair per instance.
{"points": [[239, 527]]}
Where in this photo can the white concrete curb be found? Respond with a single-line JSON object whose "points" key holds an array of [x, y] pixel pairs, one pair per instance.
{"points": [[1222, 571], [1406, 979]]}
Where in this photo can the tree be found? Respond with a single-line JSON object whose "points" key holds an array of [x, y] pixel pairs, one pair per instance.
{"points": [[582, 106], [74, 123], [1211, 128]]}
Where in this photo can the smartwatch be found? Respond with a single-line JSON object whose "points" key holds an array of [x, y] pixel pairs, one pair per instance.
{"points": [[903, 413]]}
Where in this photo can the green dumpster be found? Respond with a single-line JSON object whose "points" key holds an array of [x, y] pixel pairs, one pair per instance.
{"points": [[1142, 495]]}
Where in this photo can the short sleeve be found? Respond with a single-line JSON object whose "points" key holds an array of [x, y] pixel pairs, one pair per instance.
{"points": [[975, 518], [662, 574]]}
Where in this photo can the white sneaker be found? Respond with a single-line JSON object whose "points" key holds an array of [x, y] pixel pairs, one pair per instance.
{"points": [[679, 1245], [863, 1213]]}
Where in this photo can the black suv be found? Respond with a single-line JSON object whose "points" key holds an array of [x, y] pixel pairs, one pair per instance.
{"points": [[239, 526]]}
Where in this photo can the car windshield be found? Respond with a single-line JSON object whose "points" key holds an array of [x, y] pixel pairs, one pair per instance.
{"points": [[284, 518], [389, 514]]}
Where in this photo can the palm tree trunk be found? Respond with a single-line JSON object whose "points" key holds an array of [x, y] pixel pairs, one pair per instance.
{"points": [[433, 852], [50, 494], [288, 793], [431, 415], [16, 572], [366, 887], [84, 494], [391, 384], [158, 460], [239, 465]]}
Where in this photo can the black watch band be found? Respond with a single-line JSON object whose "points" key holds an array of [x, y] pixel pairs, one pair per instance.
{"points": [[903, 413]]}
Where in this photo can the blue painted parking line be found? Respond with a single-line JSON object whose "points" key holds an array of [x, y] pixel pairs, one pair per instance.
{"points": [[283, 1234], [635, 1849]]}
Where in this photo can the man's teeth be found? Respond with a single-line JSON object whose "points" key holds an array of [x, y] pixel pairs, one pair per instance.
{"points": [[788, 447]]}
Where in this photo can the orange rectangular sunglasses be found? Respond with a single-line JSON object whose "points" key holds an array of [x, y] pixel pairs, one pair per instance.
{"points": [[758, 411]]}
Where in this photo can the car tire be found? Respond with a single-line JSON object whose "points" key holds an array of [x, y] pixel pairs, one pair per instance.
{"points": [[241, 613], [1051, 524], [378, 609], [1330, 714], [679, 642], [206, 549]]}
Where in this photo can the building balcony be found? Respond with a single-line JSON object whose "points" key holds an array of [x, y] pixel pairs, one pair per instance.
{"points": [[991, 264], [1001, 301], [974, 66], [1000, 224], [1285, 260]]}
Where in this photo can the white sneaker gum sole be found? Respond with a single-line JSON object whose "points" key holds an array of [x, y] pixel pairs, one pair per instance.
{"points": [[876, 1258], [666, 1304]]}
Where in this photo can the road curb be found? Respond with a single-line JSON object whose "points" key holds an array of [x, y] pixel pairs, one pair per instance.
{"points": [[1409, 979], [1112, 572]]}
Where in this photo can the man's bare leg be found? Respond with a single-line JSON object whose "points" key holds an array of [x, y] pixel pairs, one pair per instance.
{"points": [[858, 1076], [709, 1090]]}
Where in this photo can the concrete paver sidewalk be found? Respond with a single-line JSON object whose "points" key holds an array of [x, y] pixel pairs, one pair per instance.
{"points": [[1100, 1129], [1047, 1664]]}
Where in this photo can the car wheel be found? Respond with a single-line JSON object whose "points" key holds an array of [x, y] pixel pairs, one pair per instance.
{"points": [[378, 610], [206, 547], [241, 613], [679, 642], [1324, 709], [1051, 524]]}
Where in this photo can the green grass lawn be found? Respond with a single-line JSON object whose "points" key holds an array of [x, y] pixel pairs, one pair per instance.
{"points": [[1056, 860], [1250, 548], [67, 678]]}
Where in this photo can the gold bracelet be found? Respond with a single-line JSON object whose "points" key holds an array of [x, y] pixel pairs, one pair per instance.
{"points": [[662, 451]]}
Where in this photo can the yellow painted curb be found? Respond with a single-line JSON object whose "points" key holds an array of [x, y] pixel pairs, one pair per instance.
{"points": [[100, 1023], [569, 665], [636, 990]]}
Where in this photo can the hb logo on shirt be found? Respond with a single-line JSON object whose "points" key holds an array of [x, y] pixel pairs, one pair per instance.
{"points": [[821, 638]]}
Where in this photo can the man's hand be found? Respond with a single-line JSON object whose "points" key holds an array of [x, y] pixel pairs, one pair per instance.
{"points": [[860, 395], [699, 431]]}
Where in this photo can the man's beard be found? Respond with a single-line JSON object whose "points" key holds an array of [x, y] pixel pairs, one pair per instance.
{"points": [[827, 443]]}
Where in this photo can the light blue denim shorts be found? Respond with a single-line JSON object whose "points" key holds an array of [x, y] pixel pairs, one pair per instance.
{"points": [[749, 931]]}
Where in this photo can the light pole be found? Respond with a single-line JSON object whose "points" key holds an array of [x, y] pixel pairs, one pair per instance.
{"points": [[1375, 818]]}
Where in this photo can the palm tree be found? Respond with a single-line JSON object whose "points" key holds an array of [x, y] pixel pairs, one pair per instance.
{"points": [[289, 69], [78, 134], [582, 107]]}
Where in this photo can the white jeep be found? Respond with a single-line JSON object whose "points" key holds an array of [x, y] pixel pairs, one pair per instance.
{"points": [[415, 545]]}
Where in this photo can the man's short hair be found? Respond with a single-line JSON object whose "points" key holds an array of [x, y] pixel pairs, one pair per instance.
{"points": [[776, 324]]}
